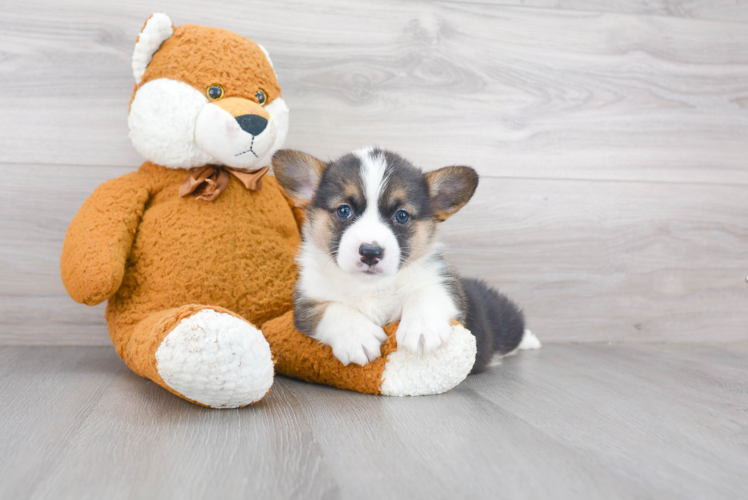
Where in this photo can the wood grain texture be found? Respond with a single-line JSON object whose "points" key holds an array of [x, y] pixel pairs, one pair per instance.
{"points": [[611, 137], [170, 448], [611, 260], [587, 260], [514, 91], [735, 11], [568, 421], [34, 306]]}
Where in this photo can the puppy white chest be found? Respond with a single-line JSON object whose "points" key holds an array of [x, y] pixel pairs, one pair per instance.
{"points": [[382, 306]]}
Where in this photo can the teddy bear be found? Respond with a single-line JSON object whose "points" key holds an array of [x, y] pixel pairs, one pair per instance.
{"points": [[195, 251]]}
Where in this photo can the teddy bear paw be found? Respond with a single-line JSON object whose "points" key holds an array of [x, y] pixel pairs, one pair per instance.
{"points": [[216, 359], [408, 374]]}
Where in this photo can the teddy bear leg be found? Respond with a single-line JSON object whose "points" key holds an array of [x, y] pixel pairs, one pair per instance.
{"points": [[394, 373], [205, 354]]}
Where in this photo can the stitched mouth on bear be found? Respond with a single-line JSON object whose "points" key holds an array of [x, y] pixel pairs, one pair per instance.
{"points": [[250, 148]]}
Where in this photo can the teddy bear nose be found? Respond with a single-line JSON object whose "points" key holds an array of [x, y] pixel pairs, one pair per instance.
{"points": [[252, 124]]}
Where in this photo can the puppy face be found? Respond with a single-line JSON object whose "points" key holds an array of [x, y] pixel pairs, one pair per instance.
{"points": [[372, 210]]}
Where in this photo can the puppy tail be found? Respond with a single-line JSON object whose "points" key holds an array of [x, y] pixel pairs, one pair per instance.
{"points": [[497, 323]]}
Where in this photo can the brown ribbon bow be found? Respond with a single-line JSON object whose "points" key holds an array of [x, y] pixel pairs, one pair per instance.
{"points": [[211, 180]]}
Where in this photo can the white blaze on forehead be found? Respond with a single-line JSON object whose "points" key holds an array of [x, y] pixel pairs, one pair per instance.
{"points": [[373, 175], [370, 228]]}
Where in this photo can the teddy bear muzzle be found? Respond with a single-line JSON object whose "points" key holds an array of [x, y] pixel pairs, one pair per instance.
{"points": [[235, 131]]}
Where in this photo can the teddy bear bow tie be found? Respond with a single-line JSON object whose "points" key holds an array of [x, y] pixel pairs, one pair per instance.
{"points": [[211, 180]]}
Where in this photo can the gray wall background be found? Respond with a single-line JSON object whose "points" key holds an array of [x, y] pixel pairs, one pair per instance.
{"points": [[611, 136]]}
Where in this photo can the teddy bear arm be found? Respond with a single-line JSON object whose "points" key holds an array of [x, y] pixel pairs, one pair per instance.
{"points": [[98, 240]]}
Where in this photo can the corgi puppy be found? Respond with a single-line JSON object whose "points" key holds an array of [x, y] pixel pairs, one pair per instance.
{"points": [[369, 257]]}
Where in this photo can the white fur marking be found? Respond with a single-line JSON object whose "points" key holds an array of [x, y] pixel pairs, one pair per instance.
{"points": [[216, 359], [496, 359], [370, 228], [529, 341], [156, 31], [380, 298], [425, 326], [406, 374], [352, 336], [372, 174]]}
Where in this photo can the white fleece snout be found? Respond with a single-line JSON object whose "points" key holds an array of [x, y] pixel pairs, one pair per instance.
{"points": [[220, 135]]}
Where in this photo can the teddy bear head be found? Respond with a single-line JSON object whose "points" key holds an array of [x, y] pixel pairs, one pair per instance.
{"points": [[204, 96]]}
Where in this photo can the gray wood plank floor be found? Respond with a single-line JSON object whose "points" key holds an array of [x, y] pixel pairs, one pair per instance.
{"points": [[568, 421]]}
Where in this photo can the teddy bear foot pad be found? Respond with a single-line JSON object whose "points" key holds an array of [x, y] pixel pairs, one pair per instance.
{"points": [[217, 360], [407, 374]]}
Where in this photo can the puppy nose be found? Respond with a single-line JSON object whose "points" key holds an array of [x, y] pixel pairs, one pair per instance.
{"points": [[252, 124], [370, 254]]}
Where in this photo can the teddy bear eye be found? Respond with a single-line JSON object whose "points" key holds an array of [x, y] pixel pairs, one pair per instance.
{"points": [[262, 97], [214, 92]]}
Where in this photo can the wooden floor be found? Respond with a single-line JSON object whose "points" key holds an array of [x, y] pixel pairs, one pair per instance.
{"points": [[572, 421]]}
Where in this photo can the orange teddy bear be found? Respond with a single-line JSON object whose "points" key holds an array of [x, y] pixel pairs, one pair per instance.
{"points": [[196, 248]]}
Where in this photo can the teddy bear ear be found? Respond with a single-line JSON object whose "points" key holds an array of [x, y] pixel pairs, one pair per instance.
{"points": [[157, 30], [267, 55]]}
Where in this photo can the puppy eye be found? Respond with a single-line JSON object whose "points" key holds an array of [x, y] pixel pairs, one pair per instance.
{"points": [[344, 212], [402, 216], [262, 97], [214, 92]]}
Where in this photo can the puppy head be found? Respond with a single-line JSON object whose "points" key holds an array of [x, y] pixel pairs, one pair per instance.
{"points": [[372, 210], [204, 96]]}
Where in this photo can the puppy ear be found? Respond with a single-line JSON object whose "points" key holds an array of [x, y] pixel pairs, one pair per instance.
{"points": [[157, 30], [450, 188], [299, 174]]}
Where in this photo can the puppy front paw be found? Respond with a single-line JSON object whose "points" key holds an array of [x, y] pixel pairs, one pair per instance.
{"points": [[422, 333], [358, 343]]}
